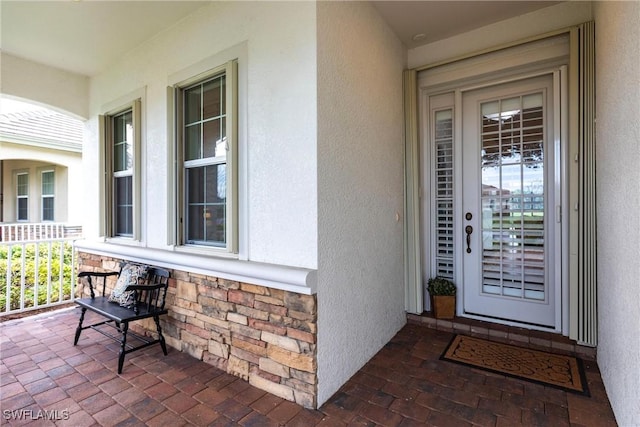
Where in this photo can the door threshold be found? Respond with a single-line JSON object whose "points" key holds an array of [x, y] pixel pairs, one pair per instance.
{"points": [[537, 340]]}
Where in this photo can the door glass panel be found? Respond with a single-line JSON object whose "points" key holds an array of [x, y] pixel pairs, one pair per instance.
{"points": [[513, 191]]}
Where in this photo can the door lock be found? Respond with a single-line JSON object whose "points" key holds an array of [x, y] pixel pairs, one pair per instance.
{"points": [[468, 229]]}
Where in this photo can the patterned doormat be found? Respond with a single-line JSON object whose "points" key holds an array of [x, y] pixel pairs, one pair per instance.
{"points": [[559, 371]]}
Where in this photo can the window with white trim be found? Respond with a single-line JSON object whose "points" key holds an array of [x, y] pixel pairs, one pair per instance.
{"points": [[206, 149], [22, 194], [48, 195], [122, 151]]}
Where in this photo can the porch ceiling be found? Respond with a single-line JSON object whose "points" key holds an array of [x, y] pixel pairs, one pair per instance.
{"points": [[437, 20], [86, 36]]}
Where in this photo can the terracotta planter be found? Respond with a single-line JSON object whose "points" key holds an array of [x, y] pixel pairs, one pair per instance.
{"points": [[443, 306]]}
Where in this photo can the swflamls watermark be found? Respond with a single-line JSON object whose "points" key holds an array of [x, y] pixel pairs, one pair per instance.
{"points": [[32, 414]]}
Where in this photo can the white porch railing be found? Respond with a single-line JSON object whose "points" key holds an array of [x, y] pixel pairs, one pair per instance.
{"points": [[29, 231], [36, 274]]}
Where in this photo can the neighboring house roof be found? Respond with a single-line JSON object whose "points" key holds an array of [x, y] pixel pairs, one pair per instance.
{"points": [[43, 128]]}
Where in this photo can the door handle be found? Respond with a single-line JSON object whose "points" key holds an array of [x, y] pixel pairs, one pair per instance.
{"points": [[468, 229]]}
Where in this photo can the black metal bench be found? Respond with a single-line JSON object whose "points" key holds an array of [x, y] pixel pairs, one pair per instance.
{"points": [[148, 299]]}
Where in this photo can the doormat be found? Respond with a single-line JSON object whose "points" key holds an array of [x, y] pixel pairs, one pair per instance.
{"points": [[554, 370]]}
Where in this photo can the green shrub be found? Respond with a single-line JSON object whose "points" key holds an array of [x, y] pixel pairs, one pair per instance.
{"points": [[41, 273]]}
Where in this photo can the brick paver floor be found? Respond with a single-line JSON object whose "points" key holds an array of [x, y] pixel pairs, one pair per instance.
{"points": [[405, 384]]}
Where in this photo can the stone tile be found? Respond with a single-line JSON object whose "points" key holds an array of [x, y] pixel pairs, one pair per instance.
{"points": [[400, 390], [114, 386], [49, 364], [583, 410], [501, 408], [112, 415], [405, 384], [131, 372], [12, 389], [284, 412], [89, 366], [200, 415], [144, 381], [66, 405], [223, 421], [16, 359], [232, 409], [408, 408], [172, 376], [266, 403], [439, 419], [147, 408], [39, 386], [61, 371], [79, 359], [382, 416], [235, 388], [209, 397], [256, 419], [96, 403], [129, 396], [82, 391], [249, 395], [161, 391], [70, 381], [17, 401], [50, 396], [536, 418], [78, 419], [31, 376], [306, 417], [476, 416], [180, 402], [166, 419]]}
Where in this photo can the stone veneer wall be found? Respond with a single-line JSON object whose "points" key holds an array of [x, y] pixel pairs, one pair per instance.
{"points": [[265, 336]]}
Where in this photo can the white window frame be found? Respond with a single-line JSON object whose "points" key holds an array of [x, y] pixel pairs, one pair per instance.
{"points": [[108, 211], [230, 70], [19, 197], [44, 196]]}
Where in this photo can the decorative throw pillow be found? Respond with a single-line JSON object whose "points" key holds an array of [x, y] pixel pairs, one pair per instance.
{"points": [[129, 275]]}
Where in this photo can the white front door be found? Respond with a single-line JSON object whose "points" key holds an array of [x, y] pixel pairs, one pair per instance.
{"points": [[510, 246]]}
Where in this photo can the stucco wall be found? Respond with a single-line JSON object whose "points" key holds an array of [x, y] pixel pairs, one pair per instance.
{"points": [[618, 175], [67, 169], [277, 145], [360, 189]]}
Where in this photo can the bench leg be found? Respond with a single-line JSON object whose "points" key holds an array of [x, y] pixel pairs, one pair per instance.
{"points": [[160, 336], [79, 328], [125, 328]]}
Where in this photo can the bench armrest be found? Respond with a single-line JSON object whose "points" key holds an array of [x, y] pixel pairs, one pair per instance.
{"points": [[145, 287], [151, 296], [91, 274]]}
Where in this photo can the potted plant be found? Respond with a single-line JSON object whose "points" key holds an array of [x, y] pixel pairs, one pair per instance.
{"points": [[443, 297]]}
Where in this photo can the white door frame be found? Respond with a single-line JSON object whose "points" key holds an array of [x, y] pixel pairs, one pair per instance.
{"points": [[579, 321], [552, 54]]}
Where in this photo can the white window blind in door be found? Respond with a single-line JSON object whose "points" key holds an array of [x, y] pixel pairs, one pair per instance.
{"points": [[444, 195]]}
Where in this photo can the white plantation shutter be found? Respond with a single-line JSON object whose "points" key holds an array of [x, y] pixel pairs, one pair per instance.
{"points": [[444, 195]]}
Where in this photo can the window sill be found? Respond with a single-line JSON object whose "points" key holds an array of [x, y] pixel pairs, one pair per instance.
{"points": [[293, 279], [206, 251], [124, 241]]}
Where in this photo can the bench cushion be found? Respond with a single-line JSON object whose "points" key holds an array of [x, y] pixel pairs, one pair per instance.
{"points": [[129, 275]]}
